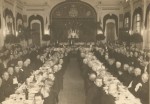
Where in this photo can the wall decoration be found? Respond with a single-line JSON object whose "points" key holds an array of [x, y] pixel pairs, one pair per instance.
{"points": [[73, 12], [73, 9], [73, 17]]}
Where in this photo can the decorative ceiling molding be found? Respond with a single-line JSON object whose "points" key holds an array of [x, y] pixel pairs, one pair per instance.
{"points": [[33, 5], [110, 8], [96, 2], [19, 7], [9, 2], [35, 9], [136, 1]]}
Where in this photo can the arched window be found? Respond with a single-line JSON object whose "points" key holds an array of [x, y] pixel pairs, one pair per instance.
{"points": [[137, 23], [126, 22]]}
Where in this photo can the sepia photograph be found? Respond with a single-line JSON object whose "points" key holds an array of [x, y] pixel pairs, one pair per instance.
{"points": [[74, 51]]}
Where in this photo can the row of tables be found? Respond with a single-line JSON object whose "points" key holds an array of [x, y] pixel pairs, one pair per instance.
{"points": [[122, 95]]}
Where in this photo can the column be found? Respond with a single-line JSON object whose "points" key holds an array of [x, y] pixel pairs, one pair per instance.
{"points": [[144, 32], [2, 36], [132, 10], [14, 13]]}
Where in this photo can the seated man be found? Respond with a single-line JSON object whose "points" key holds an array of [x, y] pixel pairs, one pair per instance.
{"points": [[136, 79], [6, 85], [27, 68], [94, 92], [11, 61], [17, 75], [129, 76], [107, 98], [1, 67], [11, 75], [118, 71], [142, 89], [125, 73], [90, 80], [48, 93]]}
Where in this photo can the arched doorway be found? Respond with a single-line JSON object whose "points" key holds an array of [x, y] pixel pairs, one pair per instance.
{"points": [[36, 24], [36, 32], [73, 17], [110, 31], [110, 24]]}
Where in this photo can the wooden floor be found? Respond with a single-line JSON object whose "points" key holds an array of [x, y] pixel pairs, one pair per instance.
{"points": [[73, 91]]}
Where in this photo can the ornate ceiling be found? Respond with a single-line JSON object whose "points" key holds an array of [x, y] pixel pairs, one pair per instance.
{"points": [[99, 2]]}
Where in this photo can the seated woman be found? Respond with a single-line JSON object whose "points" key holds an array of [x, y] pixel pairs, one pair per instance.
{"points": [[142, 89]]}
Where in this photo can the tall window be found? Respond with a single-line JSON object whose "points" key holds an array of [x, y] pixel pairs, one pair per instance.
{"points": [[137, 23], [148, 31], [126, 22]]}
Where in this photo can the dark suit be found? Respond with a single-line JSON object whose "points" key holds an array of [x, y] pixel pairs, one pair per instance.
{"points": [[51, 99], [107, 99], [7, 88], [1, 69], [143, 93], [93, 95]]}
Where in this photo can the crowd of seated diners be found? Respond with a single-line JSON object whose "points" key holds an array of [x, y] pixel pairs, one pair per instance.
{"points": [[17, 64], [129, 66]]}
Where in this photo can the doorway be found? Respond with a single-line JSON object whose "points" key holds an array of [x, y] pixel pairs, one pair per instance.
{"points": [[110, 31], [36, 33]]}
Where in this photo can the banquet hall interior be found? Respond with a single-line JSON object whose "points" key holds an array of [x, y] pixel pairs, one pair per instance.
{"points": [[74, 51]]}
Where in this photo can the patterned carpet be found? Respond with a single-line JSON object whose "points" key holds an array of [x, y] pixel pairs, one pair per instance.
{"points": [[73, 92]]}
